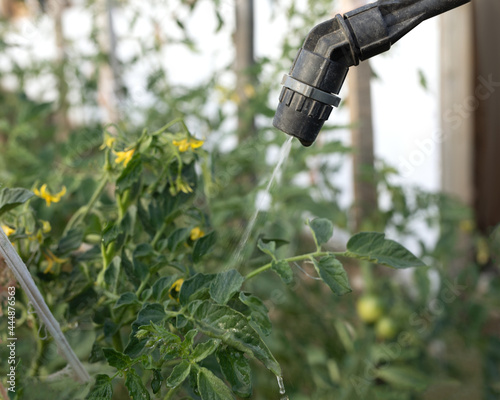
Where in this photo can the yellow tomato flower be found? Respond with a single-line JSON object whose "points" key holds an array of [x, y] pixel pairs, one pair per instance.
{"points": [[196, 233], [8, 230], [46, 228], [51, 260], [183, 187], [49, 198], [124, 156], [185, 144], [175, 289], [109, 141]]}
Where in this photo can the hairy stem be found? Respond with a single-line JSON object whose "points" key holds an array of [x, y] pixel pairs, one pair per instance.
{"points": [[292, 259]]}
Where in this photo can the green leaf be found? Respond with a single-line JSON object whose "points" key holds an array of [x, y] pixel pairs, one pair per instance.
{"points": [[373, 246], [402, 376], [156, 381], [322, 230], [195, 287], [136, 388], [225, 285], [116, 359], [102, 390], [10, 198], [148, 313], [69, 242], [203, 246], [259, 317], [222, 322], [177, 237], [211, 387], [126, 299], [112, 272], [268, 248], [162, 286], [179, 374], [282, 268], [130, 174], [333, 274], [203, 350], [236, 369], [110, 233]]}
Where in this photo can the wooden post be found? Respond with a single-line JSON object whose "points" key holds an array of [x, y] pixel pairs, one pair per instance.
{"points": [[456, 88], [486, 102], [56, 10], [360, 107], [245, 60], [108, 86]]}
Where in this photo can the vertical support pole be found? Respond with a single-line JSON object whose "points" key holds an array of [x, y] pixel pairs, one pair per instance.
{"points": [[245, 60], [360, 107], [487, 116]]}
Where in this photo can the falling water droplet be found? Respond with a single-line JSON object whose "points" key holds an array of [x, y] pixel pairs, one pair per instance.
{"points": [[281, 384]]}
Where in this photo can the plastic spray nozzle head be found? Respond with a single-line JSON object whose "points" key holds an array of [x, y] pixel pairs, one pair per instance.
{"points": [[303, 110], [310, 89], [308, 95]]}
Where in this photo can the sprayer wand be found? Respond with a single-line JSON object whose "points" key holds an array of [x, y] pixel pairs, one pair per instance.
{"points": [[310, 90]]}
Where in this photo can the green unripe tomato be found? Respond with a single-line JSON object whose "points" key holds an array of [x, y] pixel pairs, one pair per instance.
{"points": [[386, 328], [369, 308]]}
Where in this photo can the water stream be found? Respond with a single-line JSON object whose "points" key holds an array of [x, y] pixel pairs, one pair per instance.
{"points": [[284, 152], [282, 388]]}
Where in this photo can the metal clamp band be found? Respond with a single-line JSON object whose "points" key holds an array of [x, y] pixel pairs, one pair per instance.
{"points": [[309, 91]]}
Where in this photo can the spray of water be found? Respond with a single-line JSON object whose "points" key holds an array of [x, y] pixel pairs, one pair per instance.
{"points": [[285, 151]]}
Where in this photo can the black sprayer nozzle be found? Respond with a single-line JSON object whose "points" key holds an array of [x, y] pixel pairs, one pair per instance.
{"points": [[310, 90]]}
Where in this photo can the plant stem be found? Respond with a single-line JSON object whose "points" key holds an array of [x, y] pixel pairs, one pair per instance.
{"points": [[170, 393], [82, 213], [293, 259]]}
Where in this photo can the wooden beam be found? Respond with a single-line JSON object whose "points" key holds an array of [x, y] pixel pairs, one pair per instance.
{"points": [[487, 114]]}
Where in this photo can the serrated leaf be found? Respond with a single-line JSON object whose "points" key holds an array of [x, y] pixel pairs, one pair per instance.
{"points": [[236, 369], [156, 381], [112, 273], [110, 234], [333, 274], [259, 317], [402, 376], [322, 230], [149, 313], [179, 374], [70, 241], [203, 350], [10, 198], [102, 389], [225, 285], [373, 246], [282, 268], [195, 287], [268, 248], [130, 174], [203, 246], [177, 237], [126, 299], [222, 322], [211, 387], [116, 359], [162, 285], [136, 388]]}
